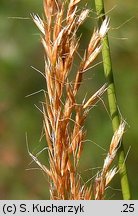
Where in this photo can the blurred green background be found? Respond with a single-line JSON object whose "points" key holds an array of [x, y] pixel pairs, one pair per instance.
{"points": [[19, 50]]}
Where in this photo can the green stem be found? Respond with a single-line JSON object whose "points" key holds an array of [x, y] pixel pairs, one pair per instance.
{"points": [[107, 64]]}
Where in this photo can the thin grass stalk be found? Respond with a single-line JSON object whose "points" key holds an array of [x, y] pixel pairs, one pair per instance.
{"points": [[112, 100]]}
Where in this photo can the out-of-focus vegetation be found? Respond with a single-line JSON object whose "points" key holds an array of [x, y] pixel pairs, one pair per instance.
{"points": [[19, 49]]}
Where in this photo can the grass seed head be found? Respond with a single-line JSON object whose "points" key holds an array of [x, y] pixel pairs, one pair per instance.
{"points": [[65, 136]]}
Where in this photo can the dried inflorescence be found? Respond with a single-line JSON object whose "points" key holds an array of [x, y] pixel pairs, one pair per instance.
{"points": [[64, 133], [105, 176]]}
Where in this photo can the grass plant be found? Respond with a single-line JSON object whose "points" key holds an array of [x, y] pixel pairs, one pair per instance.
{"points": [[112, 99], [64, 117]]}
